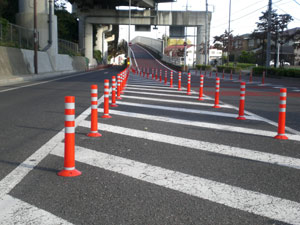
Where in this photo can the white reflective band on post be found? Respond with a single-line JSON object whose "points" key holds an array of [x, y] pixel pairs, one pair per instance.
{"points": [[282, 102], [69, 130], [119, 84], [69, 117], [281, 109], [94, 132], [217, 86], [106, 90], [69, 168], [94, 99], [217, 90], [69, 105], [243, 86], [106, 95], [201, 85], [94, 106], [282, 94], [94, 91], [243, 92], [242, 97], [113, 80]]}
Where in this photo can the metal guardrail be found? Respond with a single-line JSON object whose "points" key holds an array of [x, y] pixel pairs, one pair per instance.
{"points": [[12, 35], [67, 47]]}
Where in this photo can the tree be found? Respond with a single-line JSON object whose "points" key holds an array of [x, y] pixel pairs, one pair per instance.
{"points": [[278, 25], [67, 23], [247, 57], [9, 9]]}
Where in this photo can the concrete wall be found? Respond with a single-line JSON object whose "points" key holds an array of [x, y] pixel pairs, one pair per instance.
{"points": [[15, 62]]}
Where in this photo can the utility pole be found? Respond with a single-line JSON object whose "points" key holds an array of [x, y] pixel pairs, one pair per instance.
{"points": [[206, 26], [229, 41], [35, 37], [269, 35]]}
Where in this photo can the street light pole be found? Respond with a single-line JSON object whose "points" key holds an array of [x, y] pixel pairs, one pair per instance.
{"points": [[206, 25], [35, 37], [128, 53], [269, 35], [229, 41]]}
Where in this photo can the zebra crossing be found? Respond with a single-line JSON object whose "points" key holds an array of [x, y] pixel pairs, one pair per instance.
{"points": [[162, 122]]}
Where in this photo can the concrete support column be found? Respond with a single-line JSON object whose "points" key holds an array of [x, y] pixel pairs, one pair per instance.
{"points": [[81, 33], [25, 19], [200, 45], [88, 43], [101, 43]]}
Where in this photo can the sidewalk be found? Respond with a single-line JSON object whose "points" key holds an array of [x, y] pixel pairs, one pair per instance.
{"points": [[21, 78]]}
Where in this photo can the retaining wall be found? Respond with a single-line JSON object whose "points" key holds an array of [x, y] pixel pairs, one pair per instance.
{"points": [[14, 62]]}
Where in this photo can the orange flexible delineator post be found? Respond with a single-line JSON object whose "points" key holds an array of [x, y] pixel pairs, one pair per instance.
{"points": [[69, 157], [179, 81], [106, 100], [201, 88], [160, 75], [119, 87], [189, 85], [152, 73], [217, 93], [166, 77], [156, 74], [282, 115], [113, 92], [242, 102], [94, 112], [250, 78], [171, 79]]}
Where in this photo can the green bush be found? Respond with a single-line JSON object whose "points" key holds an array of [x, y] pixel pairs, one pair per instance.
{"points": [[277, 72], [242, 65], [247, 57], [203, 67], [227, 69]]}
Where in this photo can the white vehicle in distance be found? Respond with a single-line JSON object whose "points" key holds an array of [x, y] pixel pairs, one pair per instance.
{"points": [[284, 63]]}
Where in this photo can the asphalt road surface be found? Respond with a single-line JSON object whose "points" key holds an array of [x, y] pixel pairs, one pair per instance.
{"points": [[164, 157]]}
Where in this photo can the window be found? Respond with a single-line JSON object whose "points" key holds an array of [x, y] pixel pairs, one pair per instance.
{"points": [[251, 43]]}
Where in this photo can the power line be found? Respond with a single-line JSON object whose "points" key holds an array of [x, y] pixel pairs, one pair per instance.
{"points": [[296, 2], [287, 13]]}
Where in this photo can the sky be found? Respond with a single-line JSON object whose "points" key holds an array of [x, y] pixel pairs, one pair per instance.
{"points": [[244, 15]]}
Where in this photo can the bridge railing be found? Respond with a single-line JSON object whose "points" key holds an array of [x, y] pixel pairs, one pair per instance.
{"points": [[12, 35], [154, 44], [67, 47]]}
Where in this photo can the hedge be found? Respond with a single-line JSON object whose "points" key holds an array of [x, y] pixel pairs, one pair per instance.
{"points": [[276, 72], [204, 67], [227, 69], [242, 65]]}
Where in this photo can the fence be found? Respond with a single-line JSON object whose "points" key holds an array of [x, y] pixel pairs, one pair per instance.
{"points": [[12, 35], [153, 44], [67, 47]]}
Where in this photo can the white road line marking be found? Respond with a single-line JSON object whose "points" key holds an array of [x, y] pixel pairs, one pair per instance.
{"points": [[243, 130], [16, 176], [44, 82], [155, 58], [174, 101], [231, 196], [159, 94], [203, 146], [204, 112], [150, 86], [152, 89], [15, 211]]}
